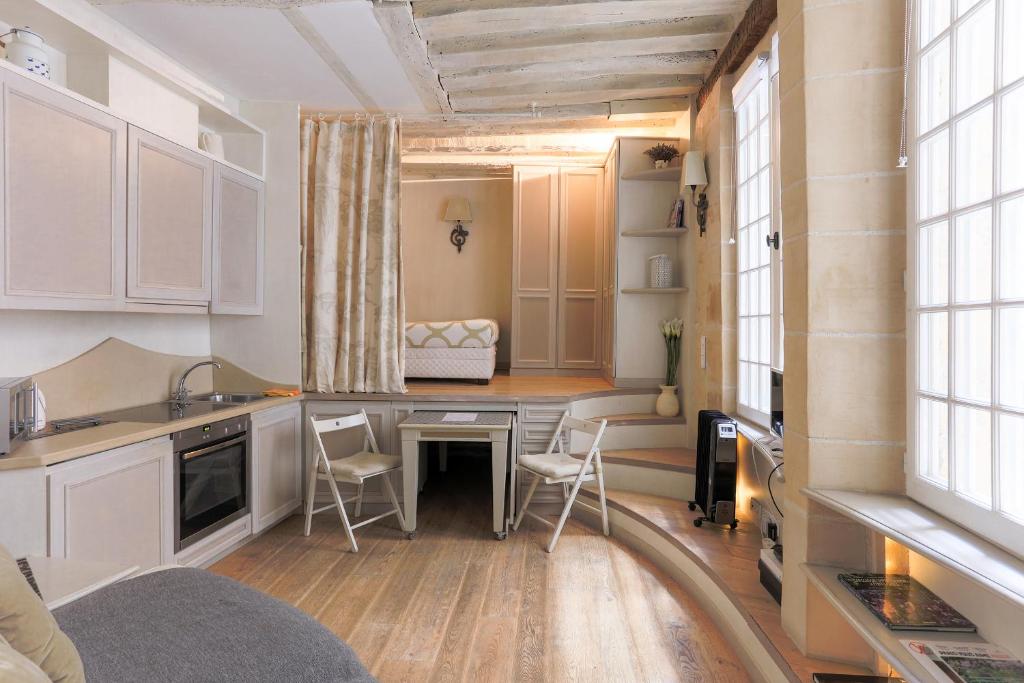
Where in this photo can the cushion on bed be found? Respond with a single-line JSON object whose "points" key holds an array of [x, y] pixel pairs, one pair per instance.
{"points": [[453, 334], [182, 625]]}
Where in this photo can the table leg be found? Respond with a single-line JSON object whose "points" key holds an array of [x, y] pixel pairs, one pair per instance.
{"points": [[410, 482], [499, 468]]}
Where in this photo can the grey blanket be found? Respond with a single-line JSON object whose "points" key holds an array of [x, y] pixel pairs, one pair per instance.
{"points": [[190, 625]]}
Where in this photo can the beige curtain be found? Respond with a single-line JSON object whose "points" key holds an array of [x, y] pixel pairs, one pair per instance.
{"points": [[353, 303]]}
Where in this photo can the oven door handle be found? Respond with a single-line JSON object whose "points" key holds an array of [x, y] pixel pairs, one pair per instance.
{"points": [[189, 455]]}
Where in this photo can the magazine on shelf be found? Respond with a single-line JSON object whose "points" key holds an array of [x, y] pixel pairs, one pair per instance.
{"points": [[903, 604], [966, 662]]}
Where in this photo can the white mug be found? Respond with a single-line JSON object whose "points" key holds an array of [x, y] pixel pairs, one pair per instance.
{"points": [[212, 143]]}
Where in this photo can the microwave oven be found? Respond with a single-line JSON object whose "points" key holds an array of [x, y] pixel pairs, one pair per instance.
{"points": [[17, 410]]}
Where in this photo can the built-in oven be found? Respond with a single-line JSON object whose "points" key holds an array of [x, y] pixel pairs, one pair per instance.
{"points": [[211, 478]]}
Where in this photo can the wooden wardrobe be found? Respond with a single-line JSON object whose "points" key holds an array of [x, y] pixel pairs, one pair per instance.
{"points": [[557, 273]]}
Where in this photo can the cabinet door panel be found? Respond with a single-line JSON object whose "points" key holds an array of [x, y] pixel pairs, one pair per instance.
{"points": [[237, 243], [534, 267], [64, 199], [115, 506], [170, 207], [277, 464], [581, 218]]}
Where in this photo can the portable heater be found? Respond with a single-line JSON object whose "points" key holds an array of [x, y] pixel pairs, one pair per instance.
{"points": [[715, 491]]}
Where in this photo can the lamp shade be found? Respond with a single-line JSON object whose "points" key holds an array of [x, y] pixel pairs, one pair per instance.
{"points": [[458, 210], [693, 169]]}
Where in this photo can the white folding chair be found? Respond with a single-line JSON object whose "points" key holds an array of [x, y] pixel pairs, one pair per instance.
{"points": [[354, 469], [561, 468]]}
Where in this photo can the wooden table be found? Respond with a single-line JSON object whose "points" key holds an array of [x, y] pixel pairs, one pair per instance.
{"points": [[484, 427]]}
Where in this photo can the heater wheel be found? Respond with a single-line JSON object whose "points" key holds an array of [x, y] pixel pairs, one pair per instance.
{"points": [[734, 523], [692, 506], [698, 521]]}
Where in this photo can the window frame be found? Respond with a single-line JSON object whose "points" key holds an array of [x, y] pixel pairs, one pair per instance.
{"points": [[990, 522], [763, 71]]}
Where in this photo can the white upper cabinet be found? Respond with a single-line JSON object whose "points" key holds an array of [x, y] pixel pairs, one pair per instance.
{"points": [[170, 220], [63, 201], [237, 243]]}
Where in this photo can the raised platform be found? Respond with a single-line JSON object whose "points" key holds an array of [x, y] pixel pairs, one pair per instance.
{"points": [[719, 567]]}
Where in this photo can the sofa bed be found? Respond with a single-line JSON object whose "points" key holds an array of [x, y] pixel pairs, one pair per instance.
{"points": [[451, 349]]}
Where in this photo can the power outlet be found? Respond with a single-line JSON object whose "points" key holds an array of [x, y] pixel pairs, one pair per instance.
{"points": [[703, 352]]}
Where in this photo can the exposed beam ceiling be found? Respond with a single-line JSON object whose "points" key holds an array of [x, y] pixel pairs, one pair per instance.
{"points": [[514, 55]]}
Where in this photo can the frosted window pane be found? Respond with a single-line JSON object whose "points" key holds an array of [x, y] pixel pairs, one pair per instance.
{"points": [[764, 142], [765, 384], [933, 84], [933, 440], [963, 5], [765, 192], [973, 249], [744, 334], [1011, 142], [934, 18], [933, 264], [933, 183], [972, 350], [1011, 249], [741, 207], [765, 290], [972, 429], [744, 387], [741, 252], [1011, 465], [1011, 359], [972, 175], [764, 252], [1013, 46], [975, 57], [753, 257], [766, 340], [933, 352]]}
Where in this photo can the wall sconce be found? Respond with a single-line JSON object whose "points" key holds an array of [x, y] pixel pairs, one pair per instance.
{"points": [[695, 175], [458, 211]]}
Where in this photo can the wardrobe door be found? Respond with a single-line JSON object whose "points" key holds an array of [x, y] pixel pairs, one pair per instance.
{"points": [[170, 218], [62, 204], [581, 221], [535, 267]]}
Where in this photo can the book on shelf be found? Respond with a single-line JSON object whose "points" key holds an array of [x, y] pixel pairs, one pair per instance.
{"points": [[853, 678], [966, 662], [903, 604]]}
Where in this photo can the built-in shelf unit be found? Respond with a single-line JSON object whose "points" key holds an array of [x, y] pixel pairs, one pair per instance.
{"points": [[671, 173]]}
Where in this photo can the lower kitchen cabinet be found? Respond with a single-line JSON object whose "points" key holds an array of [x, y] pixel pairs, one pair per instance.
{"points": [[276, 464], [115, 506]]}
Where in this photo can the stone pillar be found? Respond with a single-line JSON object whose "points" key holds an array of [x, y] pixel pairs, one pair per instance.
{"points": [[844, 220]]}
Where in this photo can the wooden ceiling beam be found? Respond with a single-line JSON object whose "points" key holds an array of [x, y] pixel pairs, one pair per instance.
{"points": [[395, 20], [595, 97], [571, 83], [751, 29], [694, 63], [473, 17], [412, 129]]}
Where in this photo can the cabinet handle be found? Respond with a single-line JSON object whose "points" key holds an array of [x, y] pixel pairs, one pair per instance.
{"points": [[189, 455]]}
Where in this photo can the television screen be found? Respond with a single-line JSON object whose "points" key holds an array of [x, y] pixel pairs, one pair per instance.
{"points": [[776, 418]]}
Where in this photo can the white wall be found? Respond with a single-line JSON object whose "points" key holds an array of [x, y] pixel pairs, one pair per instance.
{"points": [[269, 346], [33, 341]]}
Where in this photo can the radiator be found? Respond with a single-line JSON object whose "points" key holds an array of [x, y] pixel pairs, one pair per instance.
{"points": [[715, 490]]}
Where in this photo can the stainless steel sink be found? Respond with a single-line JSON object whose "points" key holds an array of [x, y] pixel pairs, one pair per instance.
{"points": [[227, 398]]}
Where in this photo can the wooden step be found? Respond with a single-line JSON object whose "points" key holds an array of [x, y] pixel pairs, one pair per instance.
{"points": [[672, 459], [637, 419]]}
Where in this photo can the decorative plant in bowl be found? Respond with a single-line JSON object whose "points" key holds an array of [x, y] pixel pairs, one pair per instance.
{"points": [[662, 154], [667, 404]]}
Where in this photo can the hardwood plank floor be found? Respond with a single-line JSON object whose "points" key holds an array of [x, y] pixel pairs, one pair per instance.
{"points": [[457, 605]]}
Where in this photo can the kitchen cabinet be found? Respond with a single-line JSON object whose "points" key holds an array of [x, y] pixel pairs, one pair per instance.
{"points": [[276, 464], [557, 268], [170, 220], [62, 218], [238, 241], [115, 506]]}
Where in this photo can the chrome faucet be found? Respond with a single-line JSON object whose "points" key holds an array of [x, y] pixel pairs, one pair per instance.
{"points": [[181, 395]]}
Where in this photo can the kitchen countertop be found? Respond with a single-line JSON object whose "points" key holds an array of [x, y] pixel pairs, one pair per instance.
{"points": [[63, 447]]}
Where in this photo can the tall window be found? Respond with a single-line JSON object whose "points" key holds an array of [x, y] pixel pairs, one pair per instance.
{"points": [[759, 268], [967, 326]]}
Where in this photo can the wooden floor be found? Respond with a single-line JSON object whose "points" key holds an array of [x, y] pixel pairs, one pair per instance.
{"points": [[731, 558], [455, 604]]}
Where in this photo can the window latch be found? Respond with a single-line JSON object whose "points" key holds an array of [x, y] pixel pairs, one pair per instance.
{"points": [[772, 240]]}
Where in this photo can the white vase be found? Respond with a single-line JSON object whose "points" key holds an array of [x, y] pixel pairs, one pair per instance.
{"points": [[660, 163], [667, 404]]}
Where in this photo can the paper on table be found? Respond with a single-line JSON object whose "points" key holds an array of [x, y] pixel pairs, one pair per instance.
{"points": [[459, 417]]}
